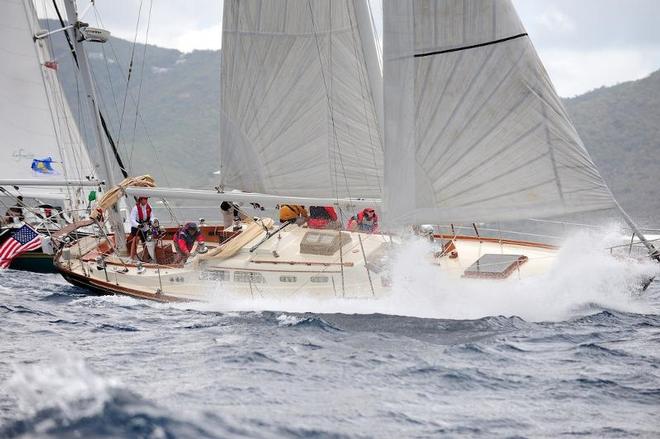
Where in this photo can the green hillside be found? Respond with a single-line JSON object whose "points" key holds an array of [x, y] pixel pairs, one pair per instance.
{"points": [[176, 138], [620, 126], [179, 104]]}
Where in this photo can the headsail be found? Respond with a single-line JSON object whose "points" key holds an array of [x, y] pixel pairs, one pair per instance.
{"points": [[297, 100], [40, 139], [474, 130]]}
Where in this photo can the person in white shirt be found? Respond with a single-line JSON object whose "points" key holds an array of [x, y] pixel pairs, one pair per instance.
{"points": [[140, 220]]}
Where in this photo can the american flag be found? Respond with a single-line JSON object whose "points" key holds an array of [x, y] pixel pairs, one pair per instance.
{"points": [[21, 241]]}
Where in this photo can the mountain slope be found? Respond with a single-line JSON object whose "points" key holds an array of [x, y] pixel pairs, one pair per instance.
{"points": [[620, 126]]}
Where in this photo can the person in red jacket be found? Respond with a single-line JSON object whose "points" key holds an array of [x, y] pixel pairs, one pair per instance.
{"points": [[184, 241], [366, 221], [322, 217]]}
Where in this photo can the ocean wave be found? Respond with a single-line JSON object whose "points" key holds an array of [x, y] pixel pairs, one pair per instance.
{"points": [[67, 399], [20, 309], [287, 320]]}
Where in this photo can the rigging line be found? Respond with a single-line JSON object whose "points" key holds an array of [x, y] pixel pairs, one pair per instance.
{"points": [[139, 95], [334, 129], [142, 123], [329, 99], [104, 125], [130, 71], [473, 46], [97, 16], [364, 85]]}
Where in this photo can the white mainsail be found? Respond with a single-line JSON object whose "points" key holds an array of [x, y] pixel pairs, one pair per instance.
{"points": [[474, 130], [35, 119], [298, 93]]}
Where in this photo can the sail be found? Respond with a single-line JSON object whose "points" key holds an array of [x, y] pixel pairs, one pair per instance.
{"points": [[40, 139], [297, 93], [474, 130]]}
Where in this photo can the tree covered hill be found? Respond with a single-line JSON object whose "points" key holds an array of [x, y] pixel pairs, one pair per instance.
{"points": [[176, 138], [620, 126]]}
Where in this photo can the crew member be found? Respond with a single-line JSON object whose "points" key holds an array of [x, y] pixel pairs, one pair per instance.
{"points": [[185, 239], [365, 221], [15, 212], [293, 213], [140, 222], [322, 217], [232, 214]]}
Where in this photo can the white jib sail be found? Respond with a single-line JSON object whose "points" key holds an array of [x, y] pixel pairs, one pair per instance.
{"points": [[298, 99], [40, 139], [474, 130]]}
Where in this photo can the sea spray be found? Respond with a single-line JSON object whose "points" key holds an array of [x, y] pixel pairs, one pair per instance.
{"points": [[64, 383], [584, 278]]}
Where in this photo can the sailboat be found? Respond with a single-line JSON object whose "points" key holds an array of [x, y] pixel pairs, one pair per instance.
{"points": [[462, 126], [46, 172]]}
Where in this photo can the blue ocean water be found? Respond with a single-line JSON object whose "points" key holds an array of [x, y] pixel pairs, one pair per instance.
{"points": [[73, 365]]}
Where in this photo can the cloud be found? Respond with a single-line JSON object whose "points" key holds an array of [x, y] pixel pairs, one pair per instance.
{"points": [[584, 44], [577, 71], [209, 38], [587, 44]]}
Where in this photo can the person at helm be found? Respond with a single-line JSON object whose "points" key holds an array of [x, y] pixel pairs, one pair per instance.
{"points": [[140, 221], [366, 221], [185, 239]]}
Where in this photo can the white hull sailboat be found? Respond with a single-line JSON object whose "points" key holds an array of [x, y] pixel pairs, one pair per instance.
{"points": [[293, 261], [462, 126]]}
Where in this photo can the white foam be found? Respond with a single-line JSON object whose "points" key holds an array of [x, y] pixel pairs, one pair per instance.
{"points": [[584, 278], [288, 320], [64, 383]]}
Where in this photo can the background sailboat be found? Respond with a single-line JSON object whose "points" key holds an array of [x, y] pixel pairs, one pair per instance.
{"points": [[44, 157]]}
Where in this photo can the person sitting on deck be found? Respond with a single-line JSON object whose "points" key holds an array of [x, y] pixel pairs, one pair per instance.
{"points": [[322, 217], [366, 221], [185, 239], [293, 213], [140, 222]]}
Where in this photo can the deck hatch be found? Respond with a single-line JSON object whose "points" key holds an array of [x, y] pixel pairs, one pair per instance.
{"points": [[494, 266], [323, 242]]}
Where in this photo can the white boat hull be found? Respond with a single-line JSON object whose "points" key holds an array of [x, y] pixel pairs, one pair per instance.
{"points": [[278, 268]]}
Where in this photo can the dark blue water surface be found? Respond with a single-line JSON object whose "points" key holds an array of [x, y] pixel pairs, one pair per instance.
{"points": [[73, 365]]}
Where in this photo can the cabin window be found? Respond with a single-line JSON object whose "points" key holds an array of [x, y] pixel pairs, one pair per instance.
{"points": [[319, 279], [249, 276], [215, 275], [288, 279]]}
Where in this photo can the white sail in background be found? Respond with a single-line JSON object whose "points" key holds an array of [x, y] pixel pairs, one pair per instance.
{"points": [[298, 99], [35, 119], [474, 130]]}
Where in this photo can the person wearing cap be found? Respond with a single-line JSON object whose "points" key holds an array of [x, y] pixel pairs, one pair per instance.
{"points": [[366, 221], [140, 221], [185, 239]]}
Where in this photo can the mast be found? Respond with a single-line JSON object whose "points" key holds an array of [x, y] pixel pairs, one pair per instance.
{"points": [[88, 82]]}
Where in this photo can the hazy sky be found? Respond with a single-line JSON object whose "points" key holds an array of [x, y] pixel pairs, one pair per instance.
{"points": [[584, 44]]}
